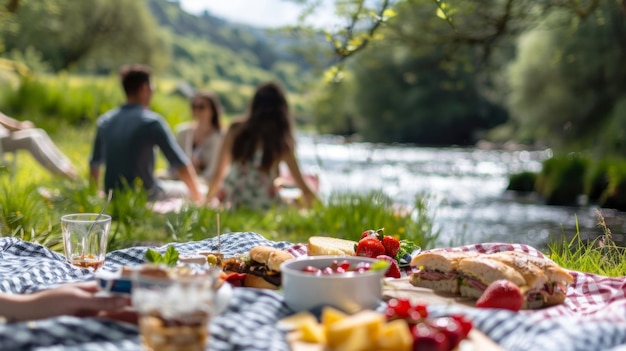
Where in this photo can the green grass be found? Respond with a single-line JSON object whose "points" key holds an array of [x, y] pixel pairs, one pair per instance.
{"points": [[600, 256], [27, 214]]}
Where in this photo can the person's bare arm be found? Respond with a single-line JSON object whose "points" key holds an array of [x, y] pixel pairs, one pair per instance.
{"points": [[222, 165], [94, 173], [188, 175], [71, 299], [13, 124], [292, 163]]}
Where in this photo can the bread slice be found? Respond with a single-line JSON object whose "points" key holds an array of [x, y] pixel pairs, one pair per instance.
{"points": [[326, 245]]}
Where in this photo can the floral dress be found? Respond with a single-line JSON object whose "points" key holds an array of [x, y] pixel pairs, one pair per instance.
{"points": [[247, 186]]}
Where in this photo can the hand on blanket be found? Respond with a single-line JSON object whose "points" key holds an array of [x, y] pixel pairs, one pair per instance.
{"points": [[70, 299]]}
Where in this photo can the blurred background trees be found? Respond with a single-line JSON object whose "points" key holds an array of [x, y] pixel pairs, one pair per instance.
{"points": [[445, 73], [429, 72]]}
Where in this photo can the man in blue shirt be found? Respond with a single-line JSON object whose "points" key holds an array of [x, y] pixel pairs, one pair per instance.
{"points": [[126, 138]]}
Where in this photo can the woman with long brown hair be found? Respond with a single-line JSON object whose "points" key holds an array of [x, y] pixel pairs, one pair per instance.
{"points": [[252, 150]]}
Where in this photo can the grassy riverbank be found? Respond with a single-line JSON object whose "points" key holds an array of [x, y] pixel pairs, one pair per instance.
{"points": [[25, 213], [67, 107]]}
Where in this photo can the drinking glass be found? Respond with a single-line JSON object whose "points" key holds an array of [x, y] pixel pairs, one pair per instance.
{"points": [[174, 312], [85, 238]]}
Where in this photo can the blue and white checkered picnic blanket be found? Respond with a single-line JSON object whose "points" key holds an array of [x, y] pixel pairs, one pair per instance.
{"points": [[249, 322]]}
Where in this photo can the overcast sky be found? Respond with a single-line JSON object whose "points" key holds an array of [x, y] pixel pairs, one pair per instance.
{"points": [[261, 13]]}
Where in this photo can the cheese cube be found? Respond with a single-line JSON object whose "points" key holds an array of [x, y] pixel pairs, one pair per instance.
{"points": [[357, 332], [395, 336]]}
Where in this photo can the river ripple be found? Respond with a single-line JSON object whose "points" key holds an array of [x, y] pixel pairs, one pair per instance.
{"points": [[466, 185]]}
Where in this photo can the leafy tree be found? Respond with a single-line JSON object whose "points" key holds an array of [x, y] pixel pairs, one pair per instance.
{"points": [[569, 77], [101, 34]]}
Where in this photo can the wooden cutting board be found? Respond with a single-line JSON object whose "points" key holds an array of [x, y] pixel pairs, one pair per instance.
{"points": [[476, 340]]}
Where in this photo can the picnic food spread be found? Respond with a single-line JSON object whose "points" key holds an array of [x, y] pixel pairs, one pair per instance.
{"points": [[590, 318], [504, 280], [540, 281]]}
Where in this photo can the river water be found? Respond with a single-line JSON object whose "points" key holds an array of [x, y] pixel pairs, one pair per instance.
{"points": [[466, 188]]}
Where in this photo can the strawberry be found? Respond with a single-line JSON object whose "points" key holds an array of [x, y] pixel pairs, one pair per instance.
{"points": [[368, 233], [392, 245], [501, 294], [393, 271], [370, 247]]}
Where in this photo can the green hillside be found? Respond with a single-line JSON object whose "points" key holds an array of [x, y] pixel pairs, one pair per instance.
{"points": [[208, 51], [95, 37]]}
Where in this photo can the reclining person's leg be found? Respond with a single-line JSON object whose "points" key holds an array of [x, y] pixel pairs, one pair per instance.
{"points": [[38, 143]]}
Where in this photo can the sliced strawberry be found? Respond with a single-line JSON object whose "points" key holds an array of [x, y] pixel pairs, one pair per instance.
{"points": [[370, 247], [501, 294], [393, 271], [392, 245]]}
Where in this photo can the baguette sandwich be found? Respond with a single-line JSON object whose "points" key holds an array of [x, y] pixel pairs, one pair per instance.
{"points": [[325, 245], [542, 282], [262, 269]]}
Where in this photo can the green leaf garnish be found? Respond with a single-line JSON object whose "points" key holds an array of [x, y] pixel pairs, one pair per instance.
{"points": [[171, 256], [406, 247], [380, 265], [153, 256]]}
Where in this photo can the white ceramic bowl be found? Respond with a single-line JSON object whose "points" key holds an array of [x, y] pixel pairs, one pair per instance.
{"points": [[349, 292]]}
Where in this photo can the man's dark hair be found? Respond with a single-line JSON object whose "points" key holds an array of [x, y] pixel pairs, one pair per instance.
{"points": [[133, 77]]}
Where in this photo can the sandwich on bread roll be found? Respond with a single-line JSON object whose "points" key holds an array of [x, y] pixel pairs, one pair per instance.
{"points": [[438, 270], [542, 282], [262, 269], [326, 245], [476, 273]]}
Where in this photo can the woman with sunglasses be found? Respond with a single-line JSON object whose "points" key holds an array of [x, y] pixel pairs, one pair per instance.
{"points": [[201, 138]]}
